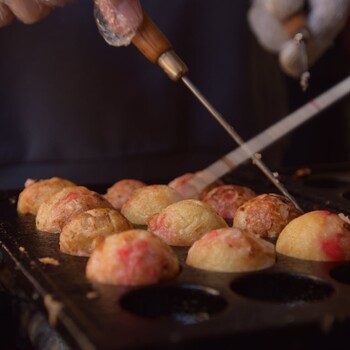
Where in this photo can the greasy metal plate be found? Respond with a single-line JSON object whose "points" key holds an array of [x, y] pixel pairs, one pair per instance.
{"points": [[300, 303]]}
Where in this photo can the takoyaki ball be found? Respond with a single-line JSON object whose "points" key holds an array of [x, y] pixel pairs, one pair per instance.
{"points": [[118, 194], [78, 236], [318, 235], [147, 201], [64, 205], [134, 257], [180, 184], [225, 199], [36, 192], [265, 215], [231, 250], [182, 223]]}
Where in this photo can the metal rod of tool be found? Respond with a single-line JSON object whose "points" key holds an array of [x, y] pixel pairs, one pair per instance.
{"points": [[156, 47], [231, 131]]}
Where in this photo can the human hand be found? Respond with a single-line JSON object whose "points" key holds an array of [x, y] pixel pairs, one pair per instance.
{"points": [[118, 20], [325, 20], [27, 11]]}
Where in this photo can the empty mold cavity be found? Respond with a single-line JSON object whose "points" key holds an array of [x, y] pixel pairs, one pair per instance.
{"points": [[186, 304], [341, 273], [326, 182], [282, 287]]}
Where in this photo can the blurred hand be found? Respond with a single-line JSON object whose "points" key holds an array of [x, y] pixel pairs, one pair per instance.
{"points": [[27, 11], [325, 19], [118, 20]]}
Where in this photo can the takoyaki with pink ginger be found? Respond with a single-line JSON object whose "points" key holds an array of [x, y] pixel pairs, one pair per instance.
{"points": [[64, 205], [134, 257], [78, 236], [225, 199], [317, 235], [180, 184], [118, 194], [265, 215], [184, 222], [36, 192], [147, 201], [231, 250]]}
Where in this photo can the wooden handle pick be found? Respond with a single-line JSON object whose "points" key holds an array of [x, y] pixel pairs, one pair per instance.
{"points": [[150, 40], [155, 46]]}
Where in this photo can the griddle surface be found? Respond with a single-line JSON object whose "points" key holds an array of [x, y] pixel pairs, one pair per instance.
{"points": [[300, 303]]}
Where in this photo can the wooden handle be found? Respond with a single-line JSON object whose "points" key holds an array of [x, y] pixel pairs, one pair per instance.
{"points": [[295, 24], [150, 40]]}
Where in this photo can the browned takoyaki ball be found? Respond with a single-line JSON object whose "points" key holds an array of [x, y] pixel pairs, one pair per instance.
{"points": [[135, 257], [78, 236], [180, 185], [147, 201], [231, 250], [225, 199], [184, 222], [318, 235], [64, 205], [118, 194], [265, 215], [36, 192]]}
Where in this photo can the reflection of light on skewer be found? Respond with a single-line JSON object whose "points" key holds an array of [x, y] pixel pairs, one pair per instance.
{"points": [[300, 38]]}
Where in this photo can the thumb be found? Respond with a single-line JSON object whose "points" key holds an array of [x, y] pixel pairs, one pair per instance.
{"points": [[267, 28], [118, 20], [6, 16], [27, 11]]}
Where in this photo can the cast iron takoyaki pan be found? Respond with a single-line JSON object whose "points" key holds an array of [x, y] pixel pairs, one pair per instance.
{"points": [[294, 305]]}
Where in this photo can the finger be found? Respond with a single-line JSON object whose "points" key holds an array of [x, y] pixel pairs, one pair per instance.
{"points": [[28, 11], [6, 16], [267, 29], [283, 9], [123, 16], [56, 3], [327, 18], [291, 60], [291, 56]]}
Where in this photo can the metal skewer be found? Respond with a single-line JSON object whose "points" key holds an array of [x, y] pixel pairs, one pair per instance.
{"points": [[231, 131]]}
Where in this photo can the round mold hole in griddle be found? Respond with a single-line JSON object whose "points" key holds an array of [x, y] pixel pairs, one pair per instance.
{"points": [[282, 287], [326, 182], [186, 304], [341, 273]]}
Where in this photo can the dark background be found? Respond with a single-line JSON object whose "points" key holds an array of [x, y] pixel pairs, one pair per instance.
{"points": [[72, 106]]}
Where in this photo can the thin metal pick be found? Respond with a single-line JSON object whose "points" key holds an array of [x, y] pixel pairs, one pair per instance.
{"points": [[256, 158]]}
